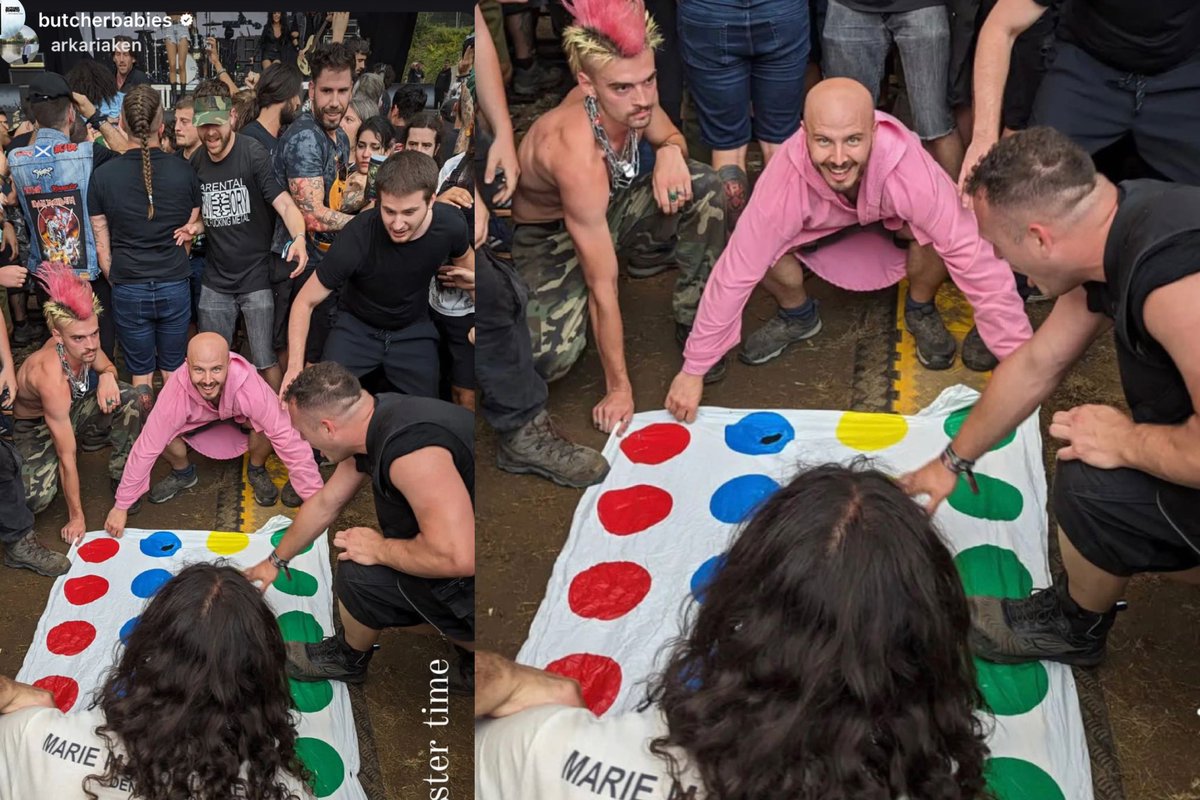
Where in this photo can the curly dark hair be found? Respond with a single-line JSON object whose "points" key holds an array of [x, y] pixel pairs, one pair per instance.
{"points": [[335, 56], [829, 659], [200, 695], [93, 80]]}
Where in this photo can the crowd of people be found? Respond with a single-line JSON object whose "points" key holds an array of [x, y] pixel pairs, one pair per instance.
{"points": [[225, 286], [1047, 152]]}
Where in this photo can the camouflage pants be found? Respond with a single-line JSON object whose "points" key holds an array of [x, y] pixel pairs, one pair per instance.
{"points": [[92, 427], [545, 257]]}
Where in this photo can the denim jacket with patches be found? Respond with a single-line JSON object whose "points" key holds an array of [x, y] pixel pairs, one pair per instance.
{"points": [[51, 176]]}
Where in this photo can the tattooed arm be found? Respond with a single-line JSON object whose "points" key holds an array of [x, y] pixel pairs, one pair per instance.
{"points": [[103, 248], [309, 194], [355, 195]]}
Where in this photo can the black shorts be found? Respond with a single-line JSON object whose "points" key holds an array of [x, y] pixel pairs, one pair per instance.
{"points": [[284, 291], [1125, 521], [380, 597], [454, 331], [409, 356]]}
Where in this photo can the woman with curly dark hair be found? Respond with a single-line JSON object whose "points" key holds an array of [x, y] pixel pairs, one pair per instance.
{"points": [[198, 706], [97, 83], [828, 661]]}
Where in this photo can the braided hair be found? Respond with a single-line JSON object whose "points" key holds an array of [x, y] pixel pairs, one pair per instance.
{"points": [[142, 112]]}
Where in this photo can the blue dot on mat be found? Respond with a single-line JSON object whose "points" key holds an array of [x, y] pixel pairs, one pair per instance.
{"points": [[738, 498], [127, 629], [149, 582], [161, 544], [704, 575], [760, 433]]}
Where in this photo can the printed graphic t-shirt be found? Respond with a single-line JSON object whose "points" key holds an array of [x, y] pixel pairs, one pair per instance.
{"points": [[236, 194], [563, 753], [306, 151], [48, 754]]}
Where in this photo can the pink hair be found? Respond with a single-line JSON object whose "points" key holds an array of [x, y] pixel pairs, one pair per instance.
{"points": [[623, 22], [67, 290]]}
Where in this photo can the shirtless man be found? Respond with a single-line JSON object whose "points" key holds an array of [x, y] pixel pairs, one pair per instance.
{"points": [[69, 388], [581, 201]]}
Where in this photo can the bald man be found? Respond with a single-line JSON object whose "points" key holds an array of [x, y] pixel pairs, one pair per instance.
{"points": [[855, 197], [220, 406]]}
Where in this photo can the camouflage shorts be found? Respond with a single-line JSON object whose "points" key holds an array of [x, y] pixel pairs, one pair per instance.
{"points": [[545, 257], [93, 430]]}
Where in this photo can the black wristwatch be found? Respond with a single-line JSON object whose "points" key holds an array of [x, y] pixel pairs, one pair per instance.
{"points": [[960, 466], [97, 119], [279, 563]]}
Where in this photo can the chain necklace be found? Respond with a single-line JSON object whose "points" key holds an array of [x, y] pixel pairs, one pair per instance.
{"points": [[78, 383], [622, 169]]}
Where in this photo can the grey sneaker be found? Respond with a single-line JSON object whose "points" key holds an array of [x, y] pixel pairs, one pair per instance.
{"points": [[537, 448], [328, 659], [975, 354], [716, 372], [776, 335], [538, 78], [172, 485], [29, 553], [289, 497], [1035, 628], [265, 491], [935, 345]]}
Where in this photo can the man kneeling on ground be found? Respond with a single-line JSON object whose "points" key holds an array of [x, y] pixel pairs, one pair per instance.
{"points": [[208, 404], [419, 572]]}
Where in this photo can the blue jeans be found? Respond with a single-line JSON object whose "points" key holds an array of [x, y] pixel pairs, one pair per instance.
{"points": [[856, 45], [739, 54], [152, 321]]}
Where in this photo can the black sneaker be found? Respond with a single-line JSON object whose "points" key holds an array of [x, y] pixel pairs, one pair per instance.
{"points": [[289, 497], [328, 659], [975, 354], [935, 345], [716, 372], [1037, 628], [265, 491], [462, 679]]}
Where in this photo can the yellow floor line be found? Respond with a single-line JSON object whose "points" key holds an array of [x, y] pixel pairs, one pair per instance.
{"points": [[915, 387], [253, 515]]}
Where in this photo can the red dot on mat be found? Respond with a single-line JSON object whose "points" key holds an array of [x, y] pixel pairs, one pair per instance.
{"points": [[81, 591], [70, 638], [599, 678], [632, 510], [99, 550], [656, 443], [65, 690], [608, 590]]}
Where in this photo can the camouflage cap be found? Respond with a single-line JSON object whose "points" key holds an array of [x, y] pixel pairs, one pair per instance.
{"points": [[212, 110]]}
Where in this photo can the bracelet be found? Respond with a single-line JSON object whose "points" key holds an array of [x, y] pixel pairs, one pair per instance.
{"points": [[222, 72], [960, 466], [96, 120], [279, 563]]}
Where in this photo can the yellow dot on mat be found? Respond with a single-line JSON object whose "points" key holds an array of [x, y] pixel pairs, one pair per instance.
{"points": [[871, 431], [224, 543]]}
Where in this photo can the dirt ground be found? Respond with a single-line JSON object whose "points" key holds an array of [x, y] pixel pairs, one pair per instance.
{"points": [[398, 686], [1150, 680]]}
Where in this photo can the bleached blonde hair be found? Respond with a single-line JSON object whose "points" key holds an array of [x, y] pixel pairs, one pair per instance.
{"points": [[605, 30]]}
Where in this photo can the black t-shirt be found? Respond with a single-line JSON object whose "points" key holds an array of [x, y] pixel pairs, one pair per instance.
{"points": [[1147, 37], [144, 249], [384, 284], [135, 78], [236, 194], [258, 133], [403, 424]]}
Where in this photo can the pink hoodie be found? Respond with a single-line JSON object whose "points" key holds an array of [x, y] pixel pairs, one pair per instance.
{"points": [[246, 398], [793, 206]]}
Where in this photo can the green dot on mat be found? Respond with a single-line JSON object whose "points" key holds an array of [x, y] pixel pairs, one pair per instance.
{"points": [[300, 584], [324, 763], [955, 421], [997, 500], [993, 571], [311, 696], [1012, 689], [1014, 779], [300, 626], [277, 536]]}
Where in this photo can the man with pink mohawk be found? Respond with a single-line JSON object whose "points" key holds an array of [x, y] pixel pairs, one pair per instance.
{"points": [[583, 203], [69, 388]]}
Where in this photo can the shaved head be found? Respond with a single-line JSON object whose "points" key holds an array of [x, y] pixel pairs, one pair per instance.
{"points": [[208, 347], [839, 126]]}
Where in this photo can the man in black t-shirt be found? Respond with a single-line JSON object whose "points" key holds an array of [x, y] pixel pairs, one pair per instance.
{"points": [[127, 73], [1124, 492], [1119, 68], [418, 569], [382, 263], [240, 199], [277, 97]]}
